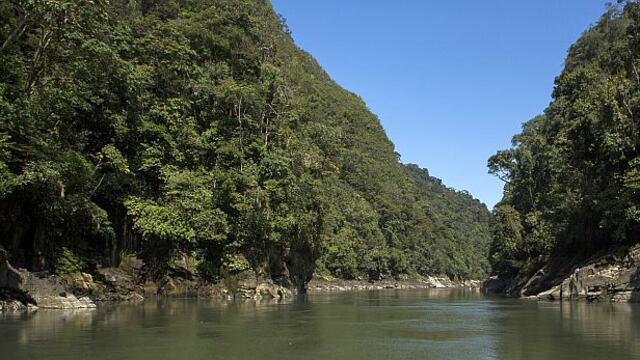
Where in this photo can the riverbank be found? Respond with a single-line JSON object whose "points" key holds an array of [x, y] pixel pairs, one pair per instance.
{"points": [[21, 290], [610, 276], [321, 285]]}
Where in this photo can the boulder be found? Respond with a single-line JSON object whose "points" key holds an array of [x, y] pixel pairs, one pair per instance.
{"points": [[440, 282], [64, 301], [555, 293], [535, 284], [247, 285], [54, 292], [26, 290], [268, 290], [243, 284], [12, 305], [247, 280], [120, 286]]}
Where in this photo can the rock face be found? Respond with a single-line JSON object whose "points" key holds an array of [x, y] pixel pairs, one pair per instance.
{"points": [[52, 292], [13, 297], [65, 301], [116, 285], [24, 290], [15, 305], [247, 286], [10, 278], [606, 278]]}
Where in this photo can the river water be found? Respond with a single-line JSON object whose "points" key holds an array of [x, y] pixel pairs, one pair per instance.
{"points": [[408, 324]]}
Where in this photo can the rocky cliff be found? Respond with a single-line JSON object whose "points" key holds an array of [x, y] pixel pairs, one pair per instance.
{"points": [[608, 277]]}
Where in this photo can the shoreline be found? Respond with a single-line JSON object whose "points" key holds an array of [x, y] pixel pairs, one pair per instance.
{"points": [[322, 285], [34, 291], [611, 276]]}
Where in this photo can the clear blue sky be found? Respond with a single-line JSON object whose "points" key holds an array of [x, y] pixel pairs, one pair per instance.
{"points": [[451, 81]]}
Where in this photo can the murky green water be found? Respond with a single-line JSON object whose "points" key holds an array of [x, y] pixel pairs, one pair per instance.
{"points": [[418, 324]]}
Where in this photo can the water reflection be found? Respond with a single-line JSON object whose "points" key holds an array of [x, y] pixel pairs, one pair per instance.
{"points": [[568, 330], [406, 324]]}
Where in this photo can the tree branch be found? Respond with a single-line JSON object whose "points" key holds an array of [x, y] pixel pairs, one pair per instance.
{"points": [[17, 32]]}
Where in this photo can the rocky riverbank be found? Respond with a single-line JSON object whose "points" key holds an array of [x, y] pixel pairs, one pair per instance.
{"points": [[320, 284], [608, 277], [56, 292], [22, 290], [83, 291]]}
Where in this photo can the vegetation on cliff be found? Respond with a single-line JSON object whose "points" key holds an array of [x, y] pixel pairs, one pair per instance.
{"points": [[196, 131], [573, 175]]}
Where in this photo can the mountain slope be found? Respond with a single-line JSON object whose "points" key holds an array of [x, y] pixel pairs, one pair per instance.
{"points": [[197, 130]]}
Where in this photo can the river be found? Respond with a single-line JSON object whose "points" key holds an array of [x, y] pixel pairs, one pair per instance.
{"points": [[407, 324]]}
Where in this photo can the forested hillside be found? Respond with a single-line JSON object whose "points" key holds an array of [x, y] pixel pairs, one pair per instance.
{"points": [[197, 131], [573, 175]]}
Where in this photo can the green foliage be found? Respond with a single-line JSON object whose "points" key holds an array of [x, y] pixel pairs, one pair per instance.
{"points": [[450, 231], [235, 263], [68, 262], [506, 226], [180, 127], [572, 176]]}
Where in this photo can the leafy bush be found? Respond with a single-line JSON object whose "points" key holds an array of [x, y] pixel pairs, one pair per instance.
{"points": [[68, 262], [235, 263]]}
